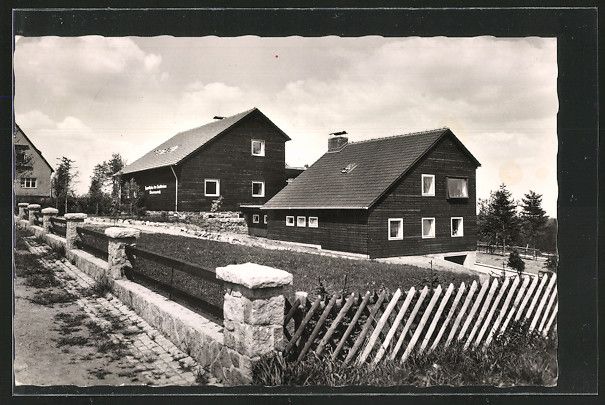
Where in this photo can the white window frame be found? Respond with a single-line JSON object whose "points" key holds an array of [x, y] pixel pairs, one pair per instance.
{"points": [[303, 222], [218, 187], [262, 147], [315, 220], [26, 182], [429, 194], [452, 227], [400, 235], [422, 228], [447, 188], [265, 219], [290, 218], [259, 182], [255, 218]]}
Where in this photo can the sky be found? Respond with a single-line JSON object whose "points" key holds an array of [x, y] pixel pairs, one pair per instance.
{"points": [[88, 97]]}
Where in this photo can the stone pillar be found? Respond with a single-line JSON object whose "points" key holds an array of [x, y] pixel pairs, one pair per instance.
{"points": [[32, 209], [253, 313], [22, 209], [47, 213], [72, 220], [117, 261]]}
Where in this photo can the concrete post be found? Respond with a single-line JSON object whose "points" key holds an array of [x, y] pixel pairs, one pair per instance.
{"points": [[72, 220], [253, 313], [22, 209], [118, 239], [32, 209], [47, 213]]}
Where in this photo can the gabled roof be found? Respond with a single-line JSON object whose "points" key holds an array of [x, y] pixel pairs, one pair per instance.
{"points": [[34, 146], [183, 144], [371, 168]]}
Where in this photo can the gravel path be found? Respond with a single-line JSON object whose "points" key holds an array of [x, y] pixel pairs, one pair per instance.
{"points": [[66, 334]]}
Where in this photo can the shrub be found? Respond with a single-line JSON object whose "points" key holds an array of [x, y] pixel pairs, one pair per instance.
{"points": [[216, 204], [102, 286], [552, 263], [515, 262]]}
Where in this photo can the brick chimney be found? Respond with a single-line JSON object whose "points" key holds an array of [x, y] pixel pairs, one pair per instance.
{"points": [[337, 141]]}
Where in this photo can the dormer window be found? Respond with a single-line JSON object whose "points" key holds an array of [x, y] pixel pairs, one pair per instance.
{"points": [[457, 187], [428, 185], [258, 147], [348, 168]]}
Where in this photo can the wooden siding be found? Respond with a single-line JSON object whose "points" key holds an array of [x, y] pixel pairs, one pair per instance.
{"points": [[342, 230], [229, 159], [259, 229], [162, 176], [405, 201]]}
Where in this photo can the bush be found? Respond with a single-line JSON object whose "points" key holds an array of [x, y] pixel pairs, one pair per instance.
{"points": [[515, 262], [552, 263], [517, 357]]}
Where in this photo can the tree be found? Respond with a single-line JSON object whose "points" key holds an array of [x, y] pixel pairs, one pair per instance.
{"points": [[63, 182], [515, 262], [501, 223], [23, 160], [98, 199], [533, 217], [132, 195]]}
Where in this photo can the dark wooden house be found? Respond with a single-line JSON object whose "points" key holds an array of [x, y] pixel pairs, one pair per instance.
{"points": [[403, 195], [239, 160], [33, 173]]}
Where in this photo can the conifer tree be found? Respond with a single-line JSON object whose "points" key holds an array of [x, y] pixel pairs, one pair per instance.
{"points": [[501, 221], [533, 217]]}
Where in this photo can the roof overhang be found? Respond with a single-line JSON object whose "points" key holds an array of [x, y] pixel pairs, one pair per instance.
{"points": [[313, 208], [250, 206]]}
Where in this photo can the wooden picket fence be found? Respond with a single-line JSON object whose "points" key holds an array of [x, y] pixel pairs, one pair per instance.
{"points": [[381, 325]]}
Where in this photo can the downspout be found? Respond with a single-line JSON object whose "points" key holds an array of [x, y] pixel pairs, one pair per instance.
{"points": [[176, 190]]}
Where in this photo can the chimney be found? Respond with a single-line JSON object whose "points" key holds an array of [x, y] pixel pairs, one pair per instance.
{"points": [[337, 141], [218, 117]]}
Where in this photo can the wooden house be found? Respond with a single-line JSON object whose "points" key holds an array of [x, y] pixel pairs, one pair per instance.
{"points": [[239, 160], [404, 195], [33, 173]]}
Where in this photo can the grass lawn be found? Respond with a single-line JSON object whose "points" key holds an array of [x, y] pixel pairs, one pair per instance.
{"points": [[310, 271], [531, 266]]}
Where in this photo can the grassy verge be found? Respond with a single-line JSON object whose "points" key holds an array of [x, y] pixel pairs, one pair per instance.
{"points": [[516, 358], [313, 273]]}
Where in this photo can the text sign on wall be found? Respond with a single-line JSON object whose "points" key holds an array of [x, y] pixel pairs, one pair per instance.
{"points": [[157, 189]]}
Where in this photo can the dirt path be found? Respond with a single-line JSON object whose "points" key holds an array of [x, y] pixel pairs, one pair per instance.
{"points": [[69, 331]]}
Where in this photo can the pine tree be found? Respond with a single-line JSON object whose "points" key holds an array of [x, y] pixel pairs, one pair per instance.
{"points": [[501, 221], [533, 217], [63, 182]]}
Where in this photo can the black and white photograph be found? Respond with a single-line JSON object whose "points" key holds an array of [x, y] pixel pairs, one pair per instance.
{"points": [[214, 211]]}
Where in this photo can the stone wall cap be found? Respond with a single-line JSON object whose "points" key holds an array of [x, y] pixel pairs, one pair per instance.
{"points": [[22, 204], [33, 206], [75, 215], [119, 232], [50, 210], [254, 276]]}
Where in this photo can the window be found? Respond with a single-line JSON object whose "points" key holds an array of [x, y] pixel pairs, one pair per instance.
{"points": [[457, 187], [29, 182], [289, 220], [457, 227], [264, 219], [428, 184], [258, 189], [255, 219], [395, 228], [428, 228], [212, 188], [258, 147], [313, 222], [301, 221]]}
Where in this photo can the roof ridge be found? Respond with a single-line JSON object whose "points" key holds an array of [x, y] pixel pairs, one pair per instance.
{"points": [[243, 114], [399, 135]]}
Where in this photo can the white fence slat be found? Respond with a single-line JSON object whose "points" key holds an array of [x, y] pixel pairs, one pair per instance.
{"points": [[396, 322], [423, 294], [543, 301], [436, 317], [551, 320], [530, 291], [551, 301], [474, 308], [482, 312], [420, 327], [381, 322], [491, 312], [461, 313], [449, 315], [520, 295], [503, 310], [537, 296]]}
